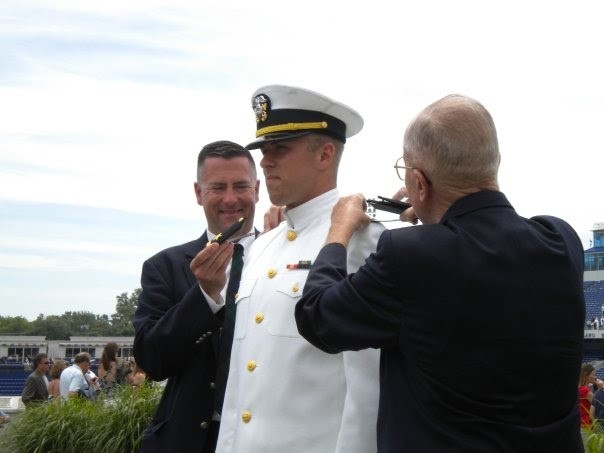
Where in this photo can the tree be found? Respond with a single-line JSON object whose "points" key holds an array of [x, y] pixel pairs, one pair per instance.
{"points": [[53, 327], [81, 323], [17, 325], [121, 320], [84, 323]]}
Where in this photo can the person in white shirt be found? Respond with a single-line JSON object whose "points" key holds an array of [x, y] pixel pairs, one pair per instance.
{"points": [[283, 394], [72, 381]]}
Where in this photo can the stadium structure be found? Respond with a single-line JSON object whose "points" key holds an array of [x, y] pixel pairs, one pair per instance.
{"points": [[593, 288]]}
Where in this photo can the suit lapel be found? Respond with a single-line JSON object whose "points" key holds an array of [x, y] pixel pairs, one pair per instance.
{"points": [[193, 249]]}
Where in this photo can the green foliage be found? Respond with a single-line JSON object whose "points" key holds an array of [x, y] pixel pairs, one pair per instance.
{"points": [[16, 325], [113, 423], [53, 327], [121, 320], [80, 323]]}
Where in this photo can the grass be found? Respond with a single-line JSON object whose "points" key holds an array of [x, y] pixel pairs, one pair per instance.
{"points": [[593, 438], [113, 423]]}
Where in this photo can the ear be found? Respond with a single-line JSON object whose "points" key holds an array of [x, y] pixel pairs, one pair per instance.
{"points": [[198, 193], [326, 154], [423, 188]]}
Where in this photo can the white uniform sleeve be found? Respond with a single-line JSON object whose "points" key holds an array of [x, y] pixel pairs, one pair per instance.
{"points": [[358, 433]]}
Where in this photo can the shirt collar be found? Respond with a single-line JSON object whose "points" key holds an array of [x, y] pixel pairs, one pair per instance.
{"points": [[305, 214]]}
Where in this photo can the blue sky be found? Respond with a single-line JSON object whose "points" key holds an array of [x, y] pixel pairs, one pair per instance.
{"points": [[105, 105]]}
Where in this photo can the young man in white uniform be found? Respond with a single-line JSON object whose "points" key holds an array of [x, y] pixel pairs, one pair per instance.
{"points": [[283, 394]]}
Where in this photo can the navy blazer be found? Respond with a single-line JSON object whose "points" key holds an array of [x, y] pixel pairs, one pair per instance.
{"points": [[480, 323], [176, 338]]}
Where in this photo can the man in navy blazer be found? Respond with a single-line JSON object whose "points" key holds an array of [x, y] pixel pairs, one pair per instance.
{"points": [[456, 304], [178, 318]]}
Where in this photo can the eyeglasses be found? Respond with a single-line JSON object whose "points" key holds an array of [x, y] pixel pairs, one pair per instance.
{"points": [[400, 171]]}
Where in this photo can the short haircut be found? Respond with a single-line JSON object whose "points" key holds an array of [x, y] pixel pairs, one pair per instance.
{"points": [[223, 149], [82, 357], [38, 358]]}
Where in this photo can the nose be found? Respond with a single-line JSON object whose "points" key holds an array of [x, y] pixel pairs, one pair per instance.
{"points": [[230, 196], [266, 160]]}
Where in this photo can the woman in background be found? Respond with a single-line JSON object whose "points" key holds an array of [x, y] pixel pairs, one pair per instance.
{"points": [[107, 371], [137, 376], [55, 374], [586, 379]]}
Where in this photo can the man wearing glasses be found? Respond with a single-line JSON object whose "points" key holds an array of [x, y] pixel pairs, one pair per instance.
{"points": [[73, 381], [453, 303], [35, 390]]}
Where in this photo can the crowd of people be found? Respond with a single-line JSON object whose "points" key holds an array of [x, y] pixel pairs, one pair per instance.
{"points": [[334, 337], [77, 379]]}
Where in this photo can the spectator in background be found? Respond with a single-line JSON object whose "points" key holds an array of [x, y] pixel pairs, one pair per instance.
{"points": [[54, 390], [136, 377], [108, 371], [73, 382], [3, 417], [586, 379], [35, 390]]}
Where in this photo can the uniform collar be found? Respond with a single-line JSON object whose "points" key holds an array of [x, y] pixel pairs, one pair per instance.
{"points": [[303, 215]]}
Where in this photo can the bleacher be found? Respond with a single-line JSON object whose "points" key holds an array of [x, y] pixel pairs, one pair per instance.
{"points": [[12, 379], [11, 387], [594, 299]]}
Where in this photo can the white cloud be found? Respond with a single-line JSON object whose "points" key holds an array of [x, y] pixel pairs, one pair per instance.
{"points": [[107, 104]]}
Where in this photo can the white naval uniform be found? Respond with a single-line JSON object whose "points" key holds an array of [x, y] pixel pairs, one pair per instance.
{"points": [[283, 394]]}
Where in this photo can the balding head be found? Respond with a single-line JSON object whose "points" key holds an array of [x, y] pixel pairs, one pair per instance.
{"points": [[454, 141]]}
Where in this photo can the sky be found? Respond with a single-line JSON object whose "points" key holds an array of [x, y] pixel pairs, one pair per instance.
{"points": [[104, 107]]}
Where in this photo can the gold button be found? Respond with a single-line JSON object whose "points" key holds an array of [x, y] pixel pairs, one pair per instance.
{"points": [[291, 235], [295, 288], [271, 272], [246, 416], [251, 365], [259, 318]]}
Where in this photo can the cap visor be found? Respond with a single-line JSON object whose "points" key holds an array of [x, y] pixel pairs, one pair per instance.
{"points": [[274, 138]]}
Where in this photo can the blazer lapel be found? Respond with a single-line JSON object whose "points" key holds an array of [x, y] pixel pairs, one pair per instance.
{"points": [[193, 249]]}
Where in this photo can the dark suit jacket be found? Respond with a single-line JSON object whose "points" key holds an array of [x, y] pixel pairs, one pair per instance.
{"points": [[176, 338], [480, 322], [35, 389]]}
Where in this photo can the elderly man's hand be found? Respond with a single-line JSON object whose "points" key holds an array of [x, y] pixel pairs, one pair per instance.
{"points": [[348, 216], [408, 215]]}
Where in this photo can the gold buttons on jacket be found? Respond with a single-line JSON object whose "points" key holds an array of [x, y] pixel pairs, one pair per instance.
{"points": [[246, 416], [259, 317], [291, 235], [271, 272], [295, 288], [251, 365]]}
